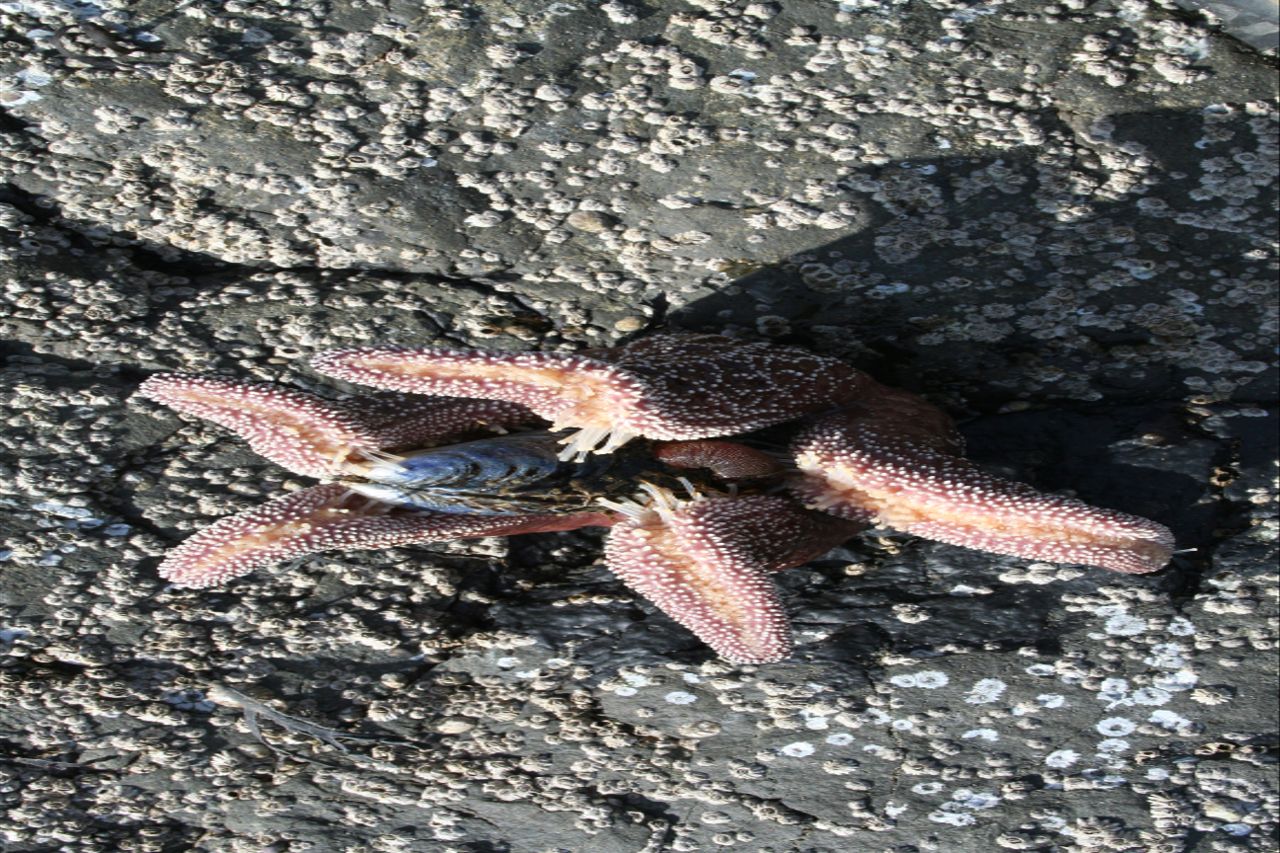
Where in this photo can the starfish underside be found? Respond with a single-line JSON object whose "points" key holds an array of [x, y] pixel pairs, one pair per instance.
{"points": [[882, 460], [667, 387], [320, 438], [705, 563], [329, 517]]}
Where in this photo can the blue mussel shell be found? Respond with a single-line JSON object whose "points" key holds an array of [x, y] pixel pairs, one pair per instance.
{"points": [[502, 475]]}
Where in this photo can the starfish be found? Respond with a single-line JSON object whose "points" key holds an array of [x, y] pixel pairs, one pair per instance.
{"points": [[664, 387], [631, 429]]}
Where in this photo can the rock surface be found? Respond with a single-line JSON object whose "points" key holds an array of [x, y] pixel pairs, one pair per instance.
{"points": [[1056, 220]]}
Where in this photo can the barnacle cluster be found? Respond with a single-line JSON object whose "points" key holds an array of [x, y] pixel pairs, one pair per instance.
{"points": [[1007, 203]]}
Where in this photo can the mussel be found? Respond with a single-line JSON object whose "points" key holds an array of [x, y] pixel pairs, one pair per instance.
{"points": [[501, 475]]}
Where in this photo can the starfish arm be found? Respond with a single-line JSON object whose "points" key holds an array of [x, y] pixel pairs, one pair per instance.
{"points": [[404, 421], [316, 437], [705, 564], [329, 517], [802, 535], [572, 390], [299, 431], [728, 460], [862, 467], [668, 387]]}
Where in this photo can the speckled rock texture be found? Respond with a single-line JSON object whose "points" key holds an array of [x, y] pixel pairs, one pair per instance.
{"points": [[1054, 219]]}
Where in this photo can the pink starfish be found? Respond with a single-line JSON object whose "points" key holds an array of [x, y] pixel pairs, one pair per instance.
{"points": [[724, 596], [864, 454]]}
